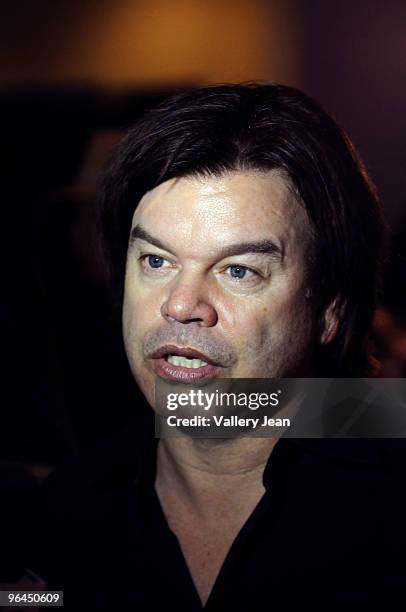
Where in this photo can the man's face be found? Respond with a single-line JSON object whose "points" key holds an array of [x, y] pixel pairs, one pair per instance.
{"points": [[216, 281]]}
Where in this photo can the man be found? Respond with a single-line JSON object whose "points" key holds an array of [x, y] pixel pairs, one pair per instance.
{"points": [[244, 240]]}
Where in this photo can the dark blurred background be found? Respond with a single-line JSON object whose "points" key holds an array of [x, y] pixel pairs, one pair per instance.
{"points": [[73, 75]]}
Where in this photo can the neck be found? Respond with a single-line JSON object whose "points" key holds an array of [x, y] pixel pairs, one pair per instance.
{"points": [[207, 475]]}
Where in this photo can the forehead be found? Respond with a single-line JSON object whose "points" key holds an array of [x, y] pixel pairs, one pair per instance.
{"points": [[209, 212]]}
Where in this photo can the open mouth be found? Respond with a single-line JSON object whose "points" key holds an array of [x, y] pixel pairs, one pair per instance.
{"points": [[183, 364]]}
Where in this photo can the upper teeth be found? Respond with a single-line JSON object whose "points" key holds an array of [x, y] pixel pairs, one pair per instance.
{"points": [[177, 360]]}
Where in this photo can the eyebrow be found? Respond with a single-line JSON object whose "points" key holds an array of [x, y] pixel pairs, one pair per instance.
{"points": [[264, 247]]}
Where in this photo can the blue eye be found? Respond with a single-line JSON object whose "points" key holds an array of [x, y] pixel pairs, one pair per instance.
{"points": [[238, 271], [155, 261]]}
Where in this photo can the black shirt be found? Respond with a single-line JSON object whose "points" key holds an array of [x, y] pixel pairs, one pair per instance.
{"points": [[328, 534]]}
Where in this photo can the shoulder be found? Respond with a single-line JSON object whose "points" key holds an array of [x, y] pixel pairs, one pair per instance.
{"points": [[87, 482], [85, 502], [370, 472]]}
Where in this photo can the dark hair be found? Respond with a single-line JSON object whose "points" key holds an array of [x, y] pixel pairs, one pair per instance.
{"points": [[232, 127]]}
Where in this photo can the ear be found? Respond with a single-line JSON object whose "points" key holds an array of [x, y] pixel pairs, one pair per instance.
{"points": [[330, 321]]}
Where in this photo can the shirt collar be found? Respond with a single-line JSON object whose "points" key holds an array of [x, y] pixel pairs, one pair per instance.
{"points": [[347, 451], [360, 452]]}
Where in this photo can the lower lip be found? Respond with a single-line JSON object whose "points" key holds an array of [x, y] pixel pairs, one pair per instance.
{"points": [[166, 370]]}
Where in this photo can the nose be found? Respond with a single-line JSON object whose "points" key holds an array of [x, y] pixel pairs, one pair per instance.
{"points": [[188, 302]]}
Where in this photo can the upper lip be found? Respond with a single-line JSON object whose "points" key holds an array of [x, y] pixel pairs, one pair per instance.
{"points": [[191, 353]]}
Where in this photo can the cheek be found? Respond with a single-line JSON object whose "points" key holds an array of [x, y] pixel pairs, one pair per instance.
{"points": [[141, 308], [273, 335], [245, 324], [135, 321], [289, 321]]}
